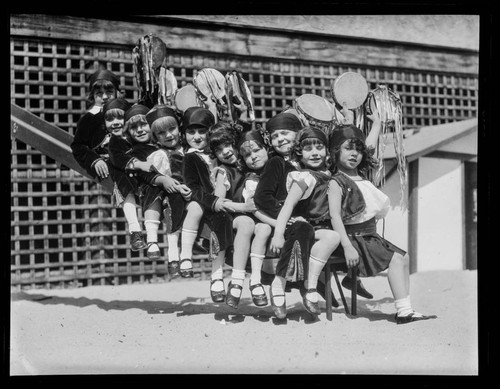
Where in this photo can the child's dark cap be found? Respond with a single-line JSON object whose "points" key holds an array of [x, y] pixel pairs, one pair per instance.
{"points": [[284, 121], [137, 109], [247, 136], [104, 74], [119, 103], [197, 116], [342, 133], [160, 112]]}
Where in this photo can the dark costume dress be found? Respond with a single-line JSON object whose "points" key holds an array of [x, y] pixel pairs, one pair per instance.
{"points": [[92, 143], [375, 253], [173, 204], [214, 226], [269, 197]]}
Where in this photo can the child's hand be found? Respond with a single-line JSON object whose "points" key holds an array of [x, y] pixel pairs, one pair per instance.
{"points": [[348, 114], [142, 165], [101, 169], [277, 243], [295, 219], [250, 205], [351, 256], [184, 191], [375, 116], [169, 184]]}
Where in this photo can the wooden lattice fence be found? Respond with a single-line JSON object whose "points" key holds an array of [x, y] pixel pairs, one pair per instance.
{"points": [[64, 231]]}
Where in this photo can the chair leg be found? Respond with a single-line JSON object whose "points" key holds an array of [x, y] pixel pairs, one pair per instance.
{"points": [[328, 296], [346, 307], [354, 291]]}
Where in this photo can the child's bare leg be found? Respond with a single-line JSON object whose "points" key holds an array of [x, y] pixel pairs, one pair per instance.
{"points": [[398, 280], [326, 243], [398, 275], [257, 254], [244, 227], [152, 223], [189, 234]]}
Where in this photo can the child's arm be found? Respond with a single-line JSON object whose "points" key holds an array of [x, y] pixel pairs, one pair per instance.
{"points": [[192, 178], [265, 193], [263, 217], [294, 195], [335, 206]]}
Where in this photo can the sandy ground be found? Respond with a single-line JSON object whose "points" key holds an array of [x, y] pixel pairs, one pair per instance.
{"points": [[174, 328]]}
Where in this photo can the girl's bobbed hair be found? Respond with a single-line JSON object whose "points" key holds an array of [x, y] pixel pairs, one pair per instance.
{"points": [[221, 133], [356, 138], [309, 135]]}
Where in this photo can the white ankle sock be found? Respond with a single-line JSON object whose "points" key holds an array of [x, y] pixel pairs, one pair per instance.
{"points": [[256, 263], [403, 306], [173, 246], [152, 230], [188, 238], [278, 290], [130, 212]]}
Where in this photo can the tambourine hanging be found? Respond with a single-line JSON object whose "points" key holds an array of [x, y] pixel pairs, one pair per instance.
{"points": [[211, 87], [389, 107], [150, 57], [317, 111], [237, 92], [187, 97], [350, 89]]}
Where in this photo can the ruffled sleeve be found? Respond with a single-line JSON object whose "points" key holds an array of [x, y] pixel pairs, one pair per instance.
{"points": [[249, 189], [304, 179], [159, 159], [215, 172]]}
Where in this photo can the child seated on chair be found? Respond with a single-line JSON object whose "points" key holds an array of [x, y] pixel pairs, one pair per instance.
{"points": [[205, 211], [151, 191], [168, 160], [355, 204], [235, 179], [307, 198]]}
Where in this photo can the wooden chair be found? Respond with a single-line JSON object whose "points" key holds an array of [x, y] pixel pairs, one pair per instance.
{"points": [[330, 266]]}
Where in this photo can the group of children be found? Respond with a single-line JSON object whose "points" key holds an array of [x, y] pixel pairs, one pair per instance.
{"points": [[296, 194]]}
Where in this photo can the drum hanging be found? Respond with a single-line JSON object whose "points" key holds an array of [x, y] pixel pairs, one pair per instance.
{"points": [[317, 111], [150, 62], [350, 89]]}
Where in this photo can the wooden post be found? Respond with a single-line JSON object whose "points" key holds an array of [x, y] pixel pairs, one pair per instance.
{"points": [[413, 214]]}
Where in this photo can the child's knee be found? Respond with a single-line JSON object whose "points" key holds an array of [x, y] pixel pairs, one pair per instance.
{"points": [[263, 230]]}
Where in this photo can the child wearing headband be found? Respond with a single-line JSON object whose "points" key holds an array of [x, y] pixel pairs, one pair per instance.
{"points": [[306, 198], [153, 183], [206, 211], [168, 159], [235, 180], [355, 205]]}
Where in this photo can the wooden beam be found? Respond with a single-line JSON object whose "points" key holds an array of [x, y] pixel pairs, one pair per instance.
{"points": [[226, 40], [413, 215], [48, 139]]}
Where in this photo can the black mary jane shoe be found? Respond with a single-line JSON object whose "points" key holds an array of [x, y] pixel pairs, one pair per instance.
{"points": [[259, 300], [174, 269], [217, 296], [412, 317], [186, 273], [312, 308], [322, 289], [230, 299], [360, 291], [279, 310]]}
